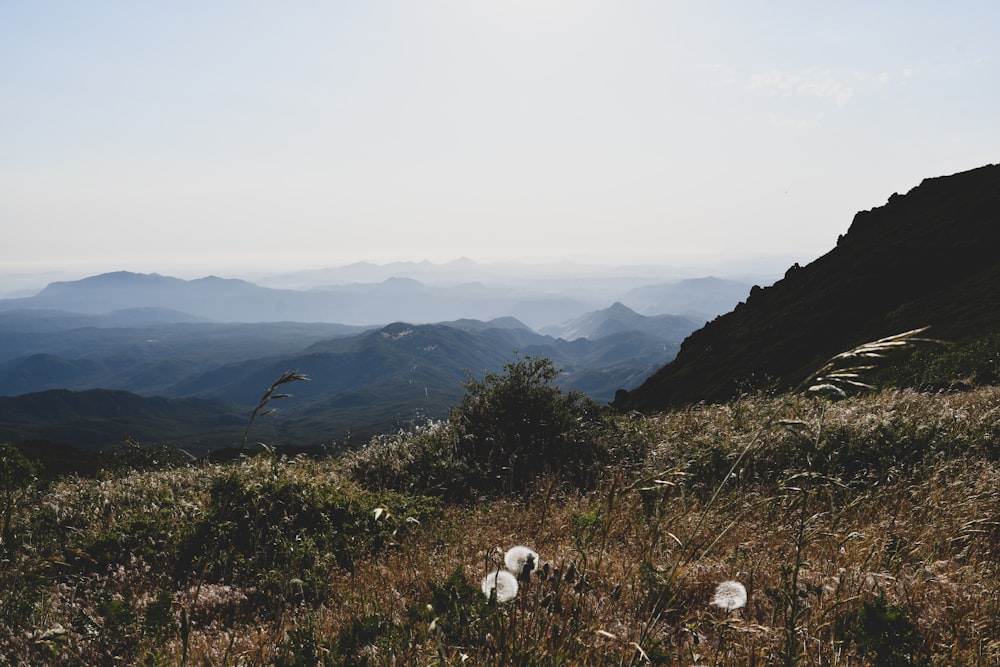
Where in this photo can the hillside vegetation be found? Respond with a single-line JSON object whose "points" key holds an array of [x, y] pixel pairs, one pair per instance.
{"points": [[187, 381], [864, 531]]}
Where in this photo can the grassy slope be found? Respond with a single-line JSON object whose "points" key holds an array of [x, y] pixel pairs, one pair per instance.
{"points": [[888, 546]]}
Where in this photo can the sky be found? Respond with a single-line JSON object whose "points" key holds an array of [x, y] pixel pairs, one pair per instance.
{"points": [[190, 138]]}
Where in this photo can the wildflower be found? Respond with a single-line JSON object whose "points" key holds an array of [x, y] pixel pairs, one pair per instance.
{"points": [[503, 582], [730, 595], [520, 561]]}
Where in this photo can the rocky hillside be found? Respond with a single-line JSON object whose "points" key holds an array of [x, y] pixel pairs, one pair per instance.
{"points": [[928, 257]]}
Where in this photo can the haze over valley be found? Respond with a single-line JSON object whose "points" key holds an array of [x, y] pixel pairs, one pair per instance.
{"points": [[381, 354]]}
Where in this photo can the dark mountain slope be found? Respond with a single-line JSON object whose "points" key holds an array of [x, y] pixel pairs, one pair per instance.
{"points": [[929, 257], [97, 419]]}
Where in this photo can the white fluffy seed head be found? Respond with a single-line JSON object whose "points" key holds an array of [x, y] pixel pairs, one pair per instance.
{"points": [[730, 595], [504, 582], [520, 561]]}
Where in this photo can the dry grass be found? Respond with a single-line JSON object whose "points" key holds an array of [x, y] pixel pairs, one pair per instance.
{"points": [[831, 510]]}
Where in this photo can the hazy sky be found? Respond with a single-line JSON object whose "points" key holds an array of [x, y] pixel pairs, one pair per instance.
{"points": [[191, 137]]}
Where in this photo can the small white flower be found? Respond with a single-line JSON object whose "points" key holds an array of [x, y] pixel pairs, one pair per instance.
{"points": [[730, 595], [520, 561], [504, 582]]}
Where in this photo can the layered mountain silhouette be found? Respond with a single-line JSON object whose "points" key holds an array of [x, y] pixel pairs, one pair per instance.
{"points": [[926, 258], [156, 354], [547, 301], [363, 381], [151, 335], [695, 298], [150, 356], [619, 318], [232, 300]]}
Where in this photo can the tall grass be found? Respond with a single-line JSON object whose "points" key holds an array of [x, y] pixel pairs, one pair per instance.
{"points": [[263, 405], [865, 531]]}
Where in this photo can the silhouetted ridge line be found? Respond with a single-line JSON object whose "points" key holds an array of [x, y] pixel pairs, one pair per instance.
{"points": [[928, 257]]}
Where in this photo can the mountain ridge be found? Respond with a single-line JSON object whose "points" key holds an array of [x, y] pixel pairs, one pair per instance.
{"points": [[548, 301], [926, 258], [376, 380], [619, 318], [99, 418]]}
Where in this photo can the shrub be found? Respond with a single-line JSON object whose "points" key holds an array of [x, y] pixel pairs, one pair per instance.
{"points": [[355, 638], [423, 460], [975, 362], [516, 425], [283, 532], [883, 633], [509, 429], [456, 609], [304, 647], [133, 455], [16, 473], [158, 620]]}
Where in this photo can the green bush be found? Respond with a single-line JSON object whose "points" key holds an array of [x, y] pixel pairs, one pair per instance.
{"points": [[130, 455], [158, 620], [304, 647], [283, 533], [360, 633], [456, 610], [975, 362], [517, 425], [16, 473], [883, 633], [509, 429], [423, 460]]}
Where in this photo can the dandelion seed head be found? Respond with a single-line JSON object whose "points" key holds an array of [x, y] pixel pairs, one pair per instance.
{"points": [[730, 595], [504, 582], [520, 561]]}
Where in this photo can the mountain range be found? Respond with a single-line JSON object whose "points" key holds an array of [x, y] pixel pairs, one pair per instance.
{"points": [[138, 352], [926, 258], [223, 341], [547, 302], [362, 380]]}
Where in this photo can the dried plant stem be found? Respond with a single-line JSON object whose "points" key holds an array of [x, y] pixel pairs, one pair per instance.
{"points": [[261, 408], [845, 371]]}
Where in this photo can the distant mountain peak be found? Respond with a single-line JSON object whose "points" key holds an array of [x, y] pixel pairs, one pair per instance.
{"points": [[619, 308], [120, 276], [619, 318], [402, 282], [216, 280], [113, 279]]}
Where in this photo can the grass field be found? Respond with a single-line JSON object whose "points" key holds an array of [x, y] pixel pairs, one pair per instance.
{"points": [[865, 531]]}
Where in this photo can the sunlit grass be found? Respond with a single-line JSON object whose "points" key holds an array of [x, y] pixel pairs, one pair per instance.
{"points": [[901, 531]]}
